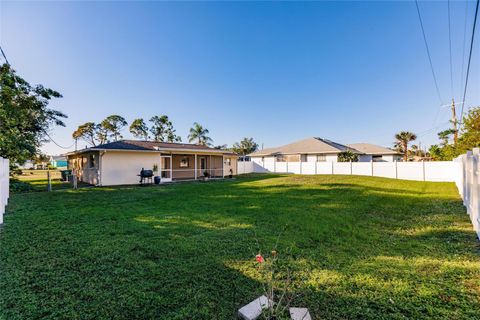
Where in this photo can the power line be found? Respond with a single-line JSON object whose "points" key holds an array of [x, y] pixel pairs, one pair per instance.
{"points": [[428, 52], [46, 133], [464, 41], [469, 60], [450, 46]]}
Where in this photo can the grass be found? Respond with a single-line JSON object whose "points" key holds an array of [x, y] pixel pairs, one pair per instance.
{"points": [[373, 248], [36, 180]]}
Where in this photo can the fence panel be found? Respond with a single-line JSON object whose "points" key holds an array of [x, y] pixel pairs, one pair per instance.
{"points": [[467, 179], [410, 171], [342, 168], [4, 186], [308, 168], [362, 168], [385, 169], [441, 171], [281, 167]]}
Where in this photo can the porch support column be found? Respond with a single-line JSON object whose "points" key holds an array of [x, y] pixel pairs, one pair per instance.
{"points": [[160, 167], [195, 166], [223, 166]]}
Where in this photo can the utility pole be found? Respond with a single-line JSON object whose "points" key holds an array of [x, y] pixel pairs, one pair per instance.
{"points": [[454, 122]]}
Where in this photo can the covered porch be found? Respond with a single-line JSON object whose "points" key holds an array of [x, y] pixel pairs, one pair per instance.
{"points": [[185, 166]]}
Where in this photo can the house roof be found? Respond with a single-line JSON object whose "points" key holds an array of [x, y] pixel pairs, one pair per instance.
{"points": [[368, 148], [306, 146], [58, 158], [137, 145]]}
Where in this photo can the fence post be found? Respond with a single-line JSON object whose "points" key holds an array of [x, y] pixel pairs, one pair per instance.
{"points": [[469, 182], [351, 168], [475, 201], [371, 166], [315, 167], [4, 185], [396, 169], [287, 166], [332, 167], [423, 169], [301, 165]]}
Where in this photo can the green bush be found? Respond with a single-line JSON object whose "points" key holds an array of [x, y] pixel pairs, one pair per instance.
{"points": [[20, 186]]}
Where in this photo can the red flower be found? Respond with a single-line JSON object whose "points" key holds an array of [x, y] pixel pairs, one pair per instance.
{"points": [[259, 258]]}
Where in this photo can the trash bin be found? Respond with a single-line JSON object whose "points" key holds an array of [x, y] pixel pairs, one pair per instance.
{"points": [[65, 174]]}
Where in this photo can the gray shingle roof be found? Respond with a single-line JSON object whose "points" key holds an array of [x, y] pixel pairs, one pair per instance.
{"points": [[137, 145]]}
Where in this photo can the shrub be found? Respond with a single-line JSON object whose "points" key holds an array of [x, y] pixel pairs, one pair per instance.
{"points": [[20, 186]]}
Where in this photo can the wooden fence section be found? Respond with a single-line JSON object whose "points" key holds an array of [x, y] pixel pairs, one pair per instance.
{"points": [[4, 186], [467, 182]]}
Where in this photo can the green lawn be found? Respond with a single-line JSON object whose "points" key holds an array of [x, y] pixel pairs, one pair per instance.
{"points": [[372, 248], [36, 180]]}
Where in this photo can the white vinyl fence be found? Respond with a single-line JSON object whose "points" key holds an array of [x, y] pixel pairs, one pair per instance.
{"points": [[468, 178], [423, 171], [4, 186]]}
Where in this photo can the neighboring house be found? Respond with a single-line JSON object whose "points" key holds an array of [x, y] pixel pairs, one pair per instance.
{"points": [[29, 164], [120, 162], [320, 150], [58, 161], [372, 152]]}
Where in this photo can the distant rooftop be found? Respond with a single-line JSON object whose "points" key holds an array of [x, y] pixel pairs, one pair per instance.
{"points": [[310, 145], [316, 145], [368, 148]]}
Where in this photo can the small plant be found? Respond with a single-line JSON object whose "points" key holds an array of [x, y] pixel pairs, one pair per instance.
{"points": [[155, 167], [231, 174], [279, 283], [206, 174]]}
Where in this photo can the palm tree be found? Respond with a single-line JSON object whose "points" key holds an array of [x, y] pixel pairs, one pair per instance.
{"points": [[403, 138], [199, 135]]}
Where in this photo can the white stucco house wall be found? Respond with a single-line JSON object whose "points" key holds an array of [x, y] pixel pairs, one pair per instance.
{"points": [[316, 149]]}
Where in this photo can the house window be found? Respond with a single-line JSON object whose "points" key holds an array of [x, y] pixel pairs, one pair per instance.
{"points": [[228, 161], [321, 158], [293, 158], [184, 162], [91, 161], [281, 158], [377, 158]]}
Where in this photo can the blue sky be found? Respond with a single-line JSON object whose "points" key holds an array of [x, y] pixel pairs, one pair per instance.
{"points": [[277, 72]]}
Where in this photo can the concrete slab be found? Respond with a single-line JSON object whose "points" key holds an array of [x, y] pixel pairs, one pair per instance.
{"points": [[253, 310], [300, 314]]}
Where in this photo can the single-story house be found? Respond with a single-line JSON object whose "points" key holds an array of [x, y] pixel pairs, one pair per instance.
{"points": [[58, 161], [321, 150], [120, 162]]}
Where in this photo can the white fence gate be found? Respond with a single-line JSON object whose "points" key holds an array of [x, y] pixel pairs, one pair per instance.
{"points": [[4, 186], [468, 178]]}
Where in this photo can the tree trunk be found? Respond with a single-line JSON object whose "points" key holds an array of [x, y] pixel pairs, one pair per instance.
{"points": [[405, 150]]}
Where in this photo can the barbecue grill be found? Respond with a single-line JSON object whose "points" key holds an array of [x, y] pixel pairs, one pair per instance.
{"points": [[145, 176]]}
